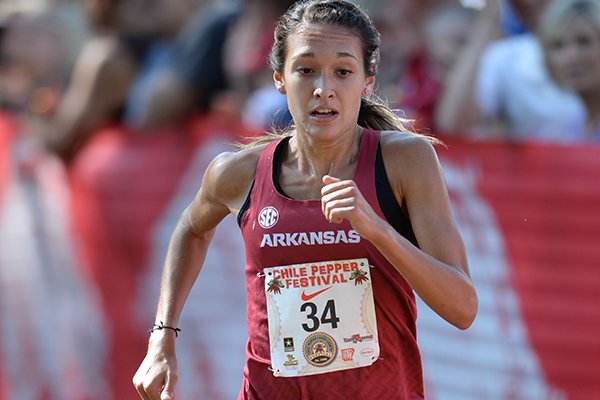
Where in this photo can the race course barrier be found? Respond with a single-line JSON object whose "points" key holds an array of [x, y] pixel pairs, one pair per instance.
{"points": [[81, 250]]}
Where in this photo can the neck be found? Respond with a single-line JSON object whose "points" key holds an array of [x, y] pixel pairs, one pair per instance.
{"points": [[591, 100], [333, 158]]}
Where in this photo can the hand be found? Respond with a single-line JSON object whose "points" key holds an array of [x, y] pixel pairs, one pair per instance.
{"points": [[156, 377], [342, 200]]}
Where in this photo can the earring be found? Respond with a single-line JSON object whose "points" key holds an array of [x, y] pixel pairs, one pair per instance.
{"points": [[281, 88], [366, 92]]}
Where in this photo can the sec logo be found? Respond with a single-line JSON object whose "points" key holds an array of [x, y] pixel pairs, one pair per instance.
{"points": [[268, 217]]}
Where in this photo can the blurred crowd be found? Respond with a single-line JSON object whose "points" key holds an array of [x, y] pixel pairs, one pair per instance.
{"points": [[515, 69]]}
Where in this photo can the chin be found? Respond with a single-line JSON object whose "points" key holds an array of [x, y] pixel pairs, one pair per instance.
{"points": [[324, 132], [578, 86]]}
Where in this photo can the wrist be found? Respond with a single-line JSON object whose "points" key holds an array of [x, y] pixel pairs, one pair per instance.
{"points": [[162, 337], [160, 326], [162, 341], [376, 230]]}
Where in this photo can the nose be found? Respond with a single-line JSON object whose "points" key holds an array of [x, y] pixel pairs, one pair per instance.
{"points": [[323, 88], [570, 54]]}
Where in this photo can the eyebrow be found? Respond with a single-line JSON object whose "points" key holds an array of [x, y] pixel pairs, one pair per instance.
{"points": [[339, 54]]}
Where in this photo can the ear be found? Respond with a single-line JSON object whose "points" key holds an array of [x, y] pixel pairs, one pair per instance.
{"points": [[279, 83], [369, 84]]}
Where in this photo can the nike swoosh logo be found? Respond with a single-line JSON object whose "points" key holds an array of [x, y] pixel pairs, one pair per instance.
{"points": [[307, 297]]}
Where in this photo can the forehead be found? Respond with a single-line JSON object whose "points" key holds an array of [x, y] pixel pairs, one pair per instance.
{"points": [[319, 39], [576, 25]]}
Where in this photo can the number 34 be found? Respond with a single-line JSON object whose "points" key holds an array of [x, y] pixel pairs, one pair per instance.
{"points": [[327, 317]]}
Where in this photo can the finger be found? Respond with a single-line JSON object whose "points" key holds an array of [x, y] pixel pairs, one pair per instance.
{"points": [[138, 381], [328, 179], [340, 194], [152, 387], [338, 214], [168, 393], [143, 394], [330, 200], [336, 185], [341, 207]]}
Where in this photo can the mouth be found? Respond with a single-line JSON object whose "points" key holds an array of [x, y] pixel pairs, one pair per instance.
{"points": [[575, 73], [323, 113]]}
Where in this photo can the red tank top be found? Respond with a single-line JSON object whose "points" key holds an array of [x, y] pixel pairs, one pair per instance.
{"points": [[268, 228]]}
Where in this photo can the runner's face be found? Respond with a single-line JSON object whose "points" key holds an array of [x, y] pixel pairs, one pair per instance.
{"points": [[574, 54], [324, 79]]}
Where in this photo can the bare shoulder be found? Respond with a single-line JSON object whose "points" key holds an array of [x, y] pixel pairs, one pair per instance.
{"points": [[411, 164], [407, 151], [229, 176]]}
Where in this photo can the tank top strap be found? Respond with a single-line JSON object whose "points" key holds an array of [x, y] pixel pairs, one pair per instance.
{"points": [[368, 149], [263, 180], [365, 170]]}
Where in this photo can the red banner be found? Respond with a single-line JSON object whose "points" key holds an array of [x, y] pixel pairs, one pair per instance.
{"points": [[81, 255], [530, 216]]}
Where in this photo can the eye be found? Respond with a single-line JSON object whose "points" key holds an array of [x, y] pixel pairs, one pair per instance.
{"points": [[583, 41], [557, 44], [304, 70], [344, 72]]}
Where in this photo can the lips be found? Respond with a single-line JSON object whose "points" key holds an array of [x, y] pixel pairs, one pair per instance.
{"points": [[575, 77], [323, 113]]}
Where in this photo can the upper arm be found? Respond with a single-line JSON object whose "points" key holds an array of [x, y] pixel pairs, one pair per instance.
{"points": [[488, 88], [99, 86], [108, 75], [419, 183], [224, 188]]}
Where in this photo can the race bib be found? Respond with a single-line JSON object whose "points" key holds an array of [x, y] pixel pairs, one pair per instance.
{"points": [[321, 317]]}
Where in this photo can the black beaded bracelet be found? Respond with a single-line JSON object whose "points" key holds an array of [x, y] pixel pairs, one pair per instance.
{"points": [[161, 326]]}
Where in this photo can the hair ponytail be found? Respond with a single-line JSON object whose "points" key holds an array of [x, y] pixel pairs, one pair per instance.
{"points": [[376, 114]]}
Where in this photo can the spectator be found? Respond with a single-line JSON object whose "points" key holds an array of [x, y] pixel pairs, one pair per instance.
{"points": [[113, 61], [246, 51], [171, 17], [445, 31], [37, 52], [513, 95], [207, 63], [400, 23], [570, 35], [400, 40], [108, 66]]}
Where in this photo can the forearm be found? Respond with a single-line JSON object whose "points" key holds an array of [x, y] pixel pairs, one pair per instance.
{"points": [[443, 287], [457, 110], [186, 254], [157, 375]]}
